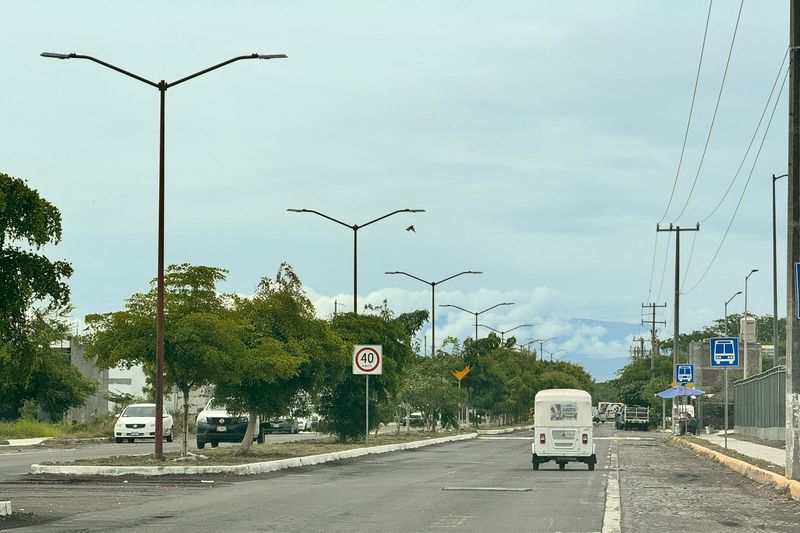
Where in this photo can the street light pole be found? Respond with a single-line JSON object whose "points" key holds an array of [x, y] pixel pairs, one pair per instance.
{"points": [[746, 322], [541, 345], [503, 333], [725, 371], [355, 228], [726, 310], [477, 313], [162, 87], [433, 285], [775, 358]]}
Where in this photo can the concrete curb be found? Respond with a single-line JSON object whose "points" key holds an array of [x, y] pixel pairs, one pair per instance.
{"points": [[765, 477], [240, 470]]}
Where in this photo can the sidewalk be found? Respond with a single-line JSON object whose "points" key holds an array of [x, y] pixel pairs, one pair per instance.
{"points": [[750, 449]]}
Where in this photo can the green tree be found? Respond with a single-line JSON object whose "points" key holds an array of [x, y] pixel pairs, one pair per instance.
{"points": [[288, 352], [51, 382], [31, 286], [342, 398], [202, 335], [433, 390]]}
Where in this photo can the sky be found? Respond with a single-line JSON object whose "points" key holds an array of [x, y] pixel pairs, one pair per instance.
{"points": [[542, 139]]}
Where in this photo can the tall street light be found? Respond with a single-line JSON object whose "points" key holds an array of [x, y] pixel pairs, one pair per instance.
{"points": [[746, 322], [542, 343], [551, 354], [355, 228], [726, 369], [162, 87], [433, 285], [477, 313], [503, 333], [726, 310], [775, 276]]}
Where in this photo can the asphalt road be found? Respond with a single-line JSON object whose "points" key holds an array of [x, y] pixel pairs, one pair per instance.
{"points": [[472, 486]]}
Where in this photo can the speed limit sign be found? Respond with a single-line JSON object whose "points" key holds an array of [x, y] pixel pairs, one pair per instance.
{"points": [[368, 359]]}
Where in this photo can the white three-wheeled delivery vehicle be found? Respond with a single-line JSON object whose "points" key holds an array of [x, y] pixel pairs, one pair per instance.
{"points": [[563, 428]]}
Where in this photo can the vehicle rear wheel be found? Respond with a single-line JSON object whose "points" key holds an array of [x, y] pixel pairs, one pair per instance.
{"points": [[214, 444], [562, 466], [591, 466], [169, 438], [260, 438], [535, 464], [201, 445], [118, 440], [130, 440]]}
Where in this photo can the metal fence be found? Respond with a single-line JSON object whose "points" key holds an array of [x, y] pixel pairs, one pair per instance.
{"points": [[761, 405]]}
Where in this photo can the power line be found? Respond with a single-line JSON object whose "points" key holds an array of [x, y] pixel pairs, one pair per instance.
{"points": [[752, 139], [691, 111], [689, 262], [714, 116], [652, 267], [741, 197], [664, 270]]}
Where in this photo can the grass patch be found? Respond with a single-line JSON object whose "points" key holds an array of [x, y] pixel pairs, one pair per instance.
{"points": [[27, 429], [3, 442], [760, 463], [258, 452]]}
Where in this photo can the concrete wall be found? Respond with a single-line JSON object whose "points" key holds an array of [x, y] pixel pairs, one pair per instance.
{"points": [[97, 404]]}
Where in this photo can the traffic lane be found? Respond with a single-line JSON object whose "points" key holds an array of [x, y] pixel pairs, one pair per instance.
{"points": [[664, 487], [473, 486]]}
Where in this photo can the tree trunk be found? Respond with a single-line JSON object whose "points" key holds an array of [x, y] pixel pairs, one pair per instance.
{"points": [[408, 418], [247, 441], [185, 439]]}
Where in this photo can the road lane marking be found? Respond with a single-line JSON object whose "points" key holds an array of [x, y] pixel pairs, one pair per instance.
{"points": [[613, 513], [505, 438], [491, 489]]}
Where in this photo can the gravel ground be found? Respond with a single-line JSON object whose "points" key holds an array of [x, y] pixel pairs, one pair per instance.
{"points": [[667, 488]]}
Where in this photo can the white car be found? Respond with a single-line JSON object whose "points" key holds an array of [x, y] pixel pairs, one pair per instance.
{"points": [[138, 421]]}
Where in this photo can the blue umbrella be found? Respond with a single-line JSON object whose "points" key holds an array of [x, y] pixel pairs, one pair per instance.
{"points": [[680, 390]]}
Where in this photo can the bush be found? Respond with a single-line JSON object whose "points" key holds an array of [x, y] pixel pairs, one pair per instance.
{"points": [[26, 429]]}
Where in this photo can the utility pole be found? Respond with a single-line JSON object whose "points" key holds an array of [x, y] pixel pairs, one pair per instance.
{"points": [[793, 255], [653, 340], [676, 329], [637, 353]]}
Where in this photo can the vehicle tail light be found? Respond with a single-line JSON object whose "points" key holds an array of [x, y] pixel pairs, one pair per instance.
{"points": [[585, 438], [541, 438]]}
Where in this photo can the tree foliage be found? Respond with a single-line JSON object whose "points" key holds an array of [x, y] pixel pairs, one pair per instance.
{"points": [[288, 352], [202, 335], [342, 398]]}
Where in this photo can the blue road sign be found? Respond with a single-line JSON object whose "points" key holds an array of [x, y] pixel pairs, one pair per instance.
{"points": [[725, 352], [684, 373]]}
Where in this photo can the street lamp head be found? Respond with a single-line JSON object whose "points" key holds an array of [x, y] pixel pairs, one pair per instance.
{"points": [[55, 55], [297, 210], [754, 270], [270, 56], [395, 272]]}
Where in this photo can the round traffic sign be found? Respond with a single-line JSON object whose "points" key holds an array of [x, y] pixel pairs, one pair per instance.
{"points": [[367, 359]]}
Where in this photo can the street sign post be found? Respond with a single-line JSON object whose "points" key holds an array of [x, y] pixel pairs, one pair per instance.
{"points": [[724, 352], [684, 373], [367, 360]]}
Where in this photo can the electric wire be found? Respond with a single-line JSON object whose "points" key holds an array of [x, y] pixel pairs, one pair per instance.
{"points": [[714, 116], [691, 112], [664, 270], [752, 139], [652, 268], [744, 190], [689, 262]]}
